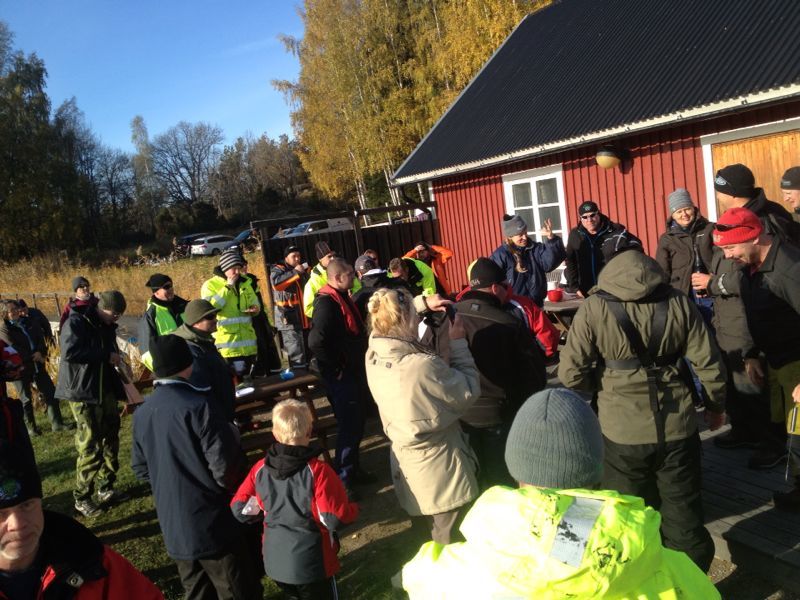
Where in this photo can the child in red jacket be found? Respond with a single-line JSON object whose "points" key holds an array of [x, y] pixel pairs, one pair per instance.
{"points": [[304, 504]]}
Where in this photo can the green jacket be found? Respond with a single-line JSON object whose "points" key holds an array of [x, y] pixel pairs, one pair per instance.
{"points": [[316, 280], [549, 544], [235, 335], [622, 394]]}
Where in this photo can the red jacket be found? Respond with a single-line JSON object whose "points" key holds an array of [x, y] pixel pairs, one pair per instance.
{"points": [[304, 504], [75, 558]]}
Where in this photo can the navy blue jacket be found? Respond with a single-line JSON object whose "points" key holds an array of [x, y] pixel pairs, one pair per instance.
{"points": [[537, 258], [187, 451]]}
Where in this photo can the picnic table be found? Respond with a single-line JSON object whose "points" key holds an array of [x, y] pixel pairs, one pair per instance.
{"points": [[561, 313]]}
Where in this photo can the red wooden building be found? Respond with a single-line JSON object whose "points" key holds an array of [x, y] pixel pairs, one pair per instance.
{"points": [[693, 86]]}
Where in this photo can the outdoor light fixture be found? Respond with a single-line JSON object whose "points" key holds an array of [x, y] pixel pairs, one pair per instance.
{"points": [[608, 157]]}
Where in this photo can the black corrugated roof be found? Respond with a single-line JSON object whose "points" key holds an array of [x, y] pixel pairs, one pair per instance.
{"points": [[584, 66]]}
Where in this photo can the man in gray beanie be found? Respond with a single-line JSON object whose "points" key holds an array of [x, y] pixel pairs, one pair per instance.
{"points": [[556, 535]]}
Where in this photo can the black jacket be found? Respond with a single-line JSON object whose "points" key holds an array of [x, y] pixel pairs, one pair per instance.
{"points": [[510, 361], [184, 447], [771, 299], [335, 348], [38, 327], [84, 372], [210, 369], [375, 281], [676, 251], [776, 219]]}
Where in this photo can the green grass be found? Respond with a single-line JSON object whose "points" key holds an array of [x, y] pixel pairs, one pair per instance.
{"points": [[373, 549]]}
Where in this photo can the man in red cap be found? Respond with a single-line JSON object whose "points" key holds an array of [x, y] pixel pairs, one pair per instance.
{"points": [[770, 290]]}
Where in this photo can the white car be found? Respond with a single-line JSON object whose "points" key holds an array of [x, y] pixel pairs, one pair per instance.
{"points": [[210, 245], [323, 226]]}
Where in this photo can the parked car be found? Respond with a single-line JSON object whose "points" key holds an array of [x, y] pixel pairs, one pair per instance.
{"points": [[321, 226], [183, 244], [211, 245], [245, 240], [283, 232]]}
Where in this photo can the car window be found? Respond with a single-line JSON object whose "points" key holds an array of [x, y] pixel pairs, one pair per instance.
{"points": [[317, 226]]}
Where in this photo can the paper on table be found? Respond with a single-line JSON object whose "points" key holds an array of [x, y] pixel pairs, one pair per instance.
{"points": [[246, 391]]}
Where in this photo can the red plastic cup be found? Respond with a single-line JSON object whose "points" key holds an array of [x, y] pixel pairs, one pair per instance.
{"points": [[555, 295]]}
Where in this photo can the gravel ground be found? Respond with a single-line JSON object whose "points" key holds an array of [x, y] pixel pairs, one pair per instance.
{"points": [[737, 583]]}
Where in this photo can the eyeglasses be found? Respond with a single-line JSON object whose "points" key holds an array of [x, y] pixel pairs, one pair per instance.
{"points": [[588, 216]]}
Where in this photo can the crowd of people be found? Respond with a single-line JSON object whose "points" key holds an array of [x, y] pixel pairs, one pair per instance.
{"points": [[586, 487]]}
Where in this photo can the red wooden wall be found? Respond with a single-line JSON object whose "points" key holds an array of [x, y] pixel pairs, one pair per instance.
{"points": [[471, 206]]}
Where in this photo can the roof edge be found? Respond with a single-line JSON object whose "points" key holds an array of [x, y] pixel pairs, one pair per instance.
{"points": [[691, 114]]}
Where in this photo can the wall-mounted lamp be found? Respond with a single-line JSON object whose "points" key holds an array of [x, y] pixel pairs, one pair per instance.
{"points": [[608, 157]]}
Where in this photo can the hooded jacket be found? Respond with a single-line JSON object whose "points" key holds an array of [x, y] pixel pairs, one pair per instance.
{"points": [[623, 395], [77, 566], [676, 251], [235, 336], [304, 505], [585, 257], [433, 467], [551, 544], [210, 369], [84, 373], [185, 449], [536, 259]]}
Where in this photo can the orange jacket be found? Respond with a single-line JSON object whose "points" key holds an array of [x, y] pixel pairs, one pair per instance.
{"points": [[439, 257]]}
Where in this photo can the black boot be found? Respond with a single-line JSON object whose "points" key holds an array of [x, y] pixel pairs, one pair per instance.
{"points": [[30, 420], [56, 420]]}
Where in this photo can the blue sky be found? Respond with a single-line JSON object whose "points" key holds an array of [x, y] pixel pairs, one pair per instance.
{"points": [[168, 60]]}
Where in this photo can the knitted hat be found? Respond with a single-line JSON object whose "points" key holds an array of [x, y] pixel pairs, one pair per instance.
{"points": [[365, 264], [157, 281], [171, 355], [588, 207], [197, 309], [19, 477], [79, 281], [735, 226], [113, 301], [289, 250], [791, 179], [322, 249], [678, 199], [484, 272], [555, 442], [230, 259], [735, 180], [514, 225]]}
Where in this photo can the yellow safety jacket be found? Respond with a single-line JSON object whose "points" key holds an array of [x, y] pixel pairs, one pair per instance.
{"points": [[548, 544], [235, 335], [164, 322], [316, 281]]}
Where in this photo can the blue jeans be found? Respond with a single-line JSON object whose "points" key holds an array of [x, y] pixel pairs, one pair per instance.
{"points": [[346, 397]]}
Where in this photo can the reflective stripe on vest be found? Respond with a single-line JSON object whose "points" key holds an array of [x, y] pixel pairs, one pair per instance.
{"points": [[233, 321], [217, 300], [574, 530], [239, 344]]}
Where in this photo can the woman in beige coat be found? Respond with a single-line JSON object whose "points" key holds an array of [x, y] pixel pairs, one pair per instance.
{"points": [[421, 398]]}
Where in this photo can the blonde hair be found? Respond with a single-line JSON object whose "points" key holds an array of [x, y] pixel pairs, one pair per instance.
{"points": [[392, 314], [291, 421]]}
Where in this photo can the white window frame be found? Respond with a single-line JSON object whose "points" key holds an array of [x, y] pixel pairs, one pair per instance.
{"points": [[732, 135], [531, 177]]}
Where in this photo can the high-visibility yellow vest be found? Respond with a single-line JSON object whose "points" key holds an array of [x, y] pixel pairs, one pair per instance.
{"points": [[549, 544], [165, 323], [316, 281], [235, 335]]}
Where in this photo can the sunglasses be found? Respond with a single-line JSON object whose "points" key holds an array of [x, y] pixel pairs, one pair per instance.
{"points": [[588, 216]]}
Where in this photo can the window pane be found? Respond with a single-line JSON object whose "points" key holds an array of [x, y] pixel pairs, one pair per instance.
{"points": [[546, 191], [522, 194], [527, 216], [552, 213]]}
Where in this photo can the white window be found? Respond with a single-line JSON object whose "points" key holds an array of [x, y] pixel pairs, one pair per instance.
{"points": [[535, 196]]}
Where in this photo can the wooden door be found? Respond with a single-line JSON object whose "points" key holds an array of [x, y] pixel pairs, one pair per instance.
{"points": [[768, 156]]}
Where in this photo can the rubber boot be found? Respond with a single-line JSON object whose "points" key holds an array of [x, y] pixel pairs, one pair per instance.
{"points": [[30, 420], [56, 421]]}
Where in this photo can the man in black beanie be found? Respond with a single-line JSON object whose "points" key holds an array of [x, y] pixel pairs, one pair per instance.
{"points": [[790, 188], [185, 449], [510, 363], [163, 315]]}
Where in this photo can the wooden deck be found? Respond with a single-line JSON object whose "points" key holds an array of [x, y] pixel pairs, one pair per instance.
{"points": [[747, 529]]}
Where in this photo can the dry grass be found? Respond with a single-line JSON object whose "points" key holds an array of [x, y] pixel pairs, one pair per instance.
{"points": [[53, 273]]}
